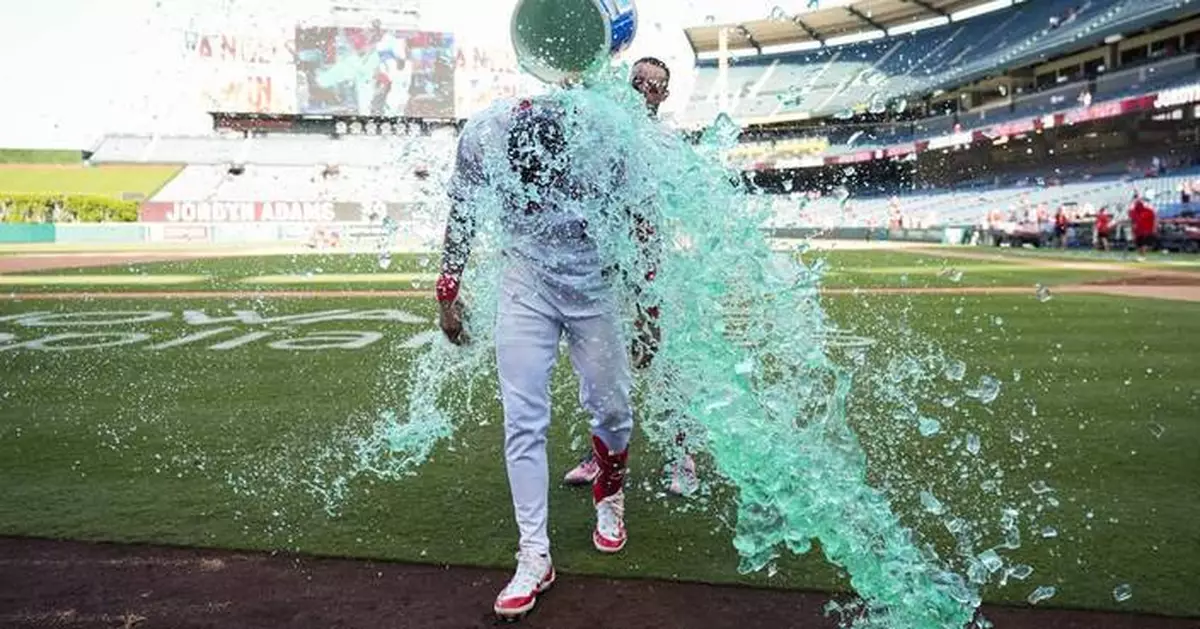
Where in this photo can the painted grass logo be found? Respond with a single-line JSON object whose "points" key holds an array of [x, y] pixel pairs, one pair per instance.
{"points": [[108, 329], [102, 329]]}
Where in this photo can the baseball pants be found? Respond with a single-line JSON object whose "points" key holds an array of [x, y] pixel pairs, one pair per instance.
{"points": [[530, 322]]}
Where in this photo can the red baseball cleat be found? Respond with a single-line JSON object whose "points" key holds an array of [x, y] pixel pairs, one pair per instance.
{"points": [[609, 535], [535, 574], [609, 497]]}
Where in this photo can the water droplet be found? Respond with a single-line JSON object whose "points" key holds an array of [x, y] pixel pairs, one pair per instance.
{"points": [[986, 391], [1157, 430], [955, 370], [1040, 487], [1012, 538], [854, 138], [723, 132], [1042, 593], [1020, 572], [1123, 592], [973, 444], [778, 14], [844, 114], [1017, 435], [1043, 293], [1049, 532], [928, 427], [990, 560], [900, 106], [385, 260], [930, 503], [956, 276]]}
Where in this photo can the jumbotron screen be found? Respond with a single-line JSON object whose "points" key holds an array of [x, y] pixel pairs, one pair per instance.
{"points": [[374, 72]]}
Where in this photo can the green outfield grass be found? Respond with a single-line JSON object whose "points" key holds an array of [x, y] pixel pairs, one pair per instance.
{"points": [[134, 444], [1153, 259], [843, 269], [110, 181], [39, 156]]}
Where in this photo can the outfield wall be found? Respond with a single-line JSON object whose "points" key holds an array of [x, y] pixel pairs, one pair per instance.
{"points": [[354, 236], [27, 233], [344, 235]]}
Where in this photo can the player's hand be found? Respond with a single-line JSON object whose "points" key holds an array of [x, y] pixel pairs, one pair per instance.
{"points": [[450, 318], [646, 337]]}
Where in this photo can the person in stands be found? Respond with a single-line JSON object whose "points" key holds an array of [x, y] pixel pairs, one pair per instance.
{"points": [[1103, 229], [1060, 228], [651, 78], [1145, 224]]}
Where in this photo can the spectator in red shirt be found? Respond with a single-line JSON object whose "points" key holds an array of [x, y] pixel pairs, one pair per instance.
{"points": [[1060, 228], [1103, 228], [1143, 220]]}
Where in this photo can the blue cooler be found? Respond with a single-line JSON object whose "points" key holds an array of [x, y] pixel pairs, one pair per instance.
{"points": [[560, 39]]}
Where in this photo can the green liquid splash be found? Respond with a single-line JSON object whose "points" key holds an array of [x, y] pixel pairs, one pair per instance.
{"points": [[743, 367]]}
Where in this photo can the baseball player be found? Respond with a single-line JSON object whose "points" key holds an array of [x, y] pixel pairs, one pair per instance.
{"points": [[651, 77], [554, 283], [394, 77]]}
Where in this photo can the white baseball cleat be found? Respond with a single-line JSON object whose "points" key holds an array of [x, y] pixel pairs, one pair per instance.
{"points": [[609, 535], [535, 574]]}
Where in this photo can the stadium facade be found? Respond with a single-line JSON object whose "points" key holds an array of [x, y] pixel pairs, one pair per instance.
{"points": [[861, 115]]}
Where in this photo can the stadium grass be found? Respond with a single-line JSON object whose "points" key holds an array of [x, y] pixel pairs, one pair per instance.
{"points": [[39, 156], [126, 444], [844, 269], [109, 181], [1154, 259]]}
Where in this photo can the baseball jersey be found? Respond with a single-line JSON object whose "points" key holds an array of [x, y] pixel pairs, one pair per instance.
{"points": [[557, 241]]}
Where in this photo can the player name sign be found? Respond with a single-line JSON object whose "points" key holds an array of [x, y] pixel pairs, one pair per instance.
{"points": [[242, 212], [273, 211], [158, 330]]}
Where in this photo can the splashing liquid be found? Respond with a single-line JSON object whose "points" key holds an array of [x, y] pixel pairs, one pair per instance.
{"points": [[743, 367]]}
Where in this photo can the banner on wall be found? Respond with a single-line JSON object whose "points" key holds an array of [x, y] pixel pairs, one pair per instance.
{"points": [[250, 72], [273, 211], [374, 72]]}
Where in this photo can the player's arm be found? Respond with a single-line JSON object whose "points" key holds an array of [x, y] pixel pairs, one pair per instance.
{"points": [[456, 249], [468, 177]]}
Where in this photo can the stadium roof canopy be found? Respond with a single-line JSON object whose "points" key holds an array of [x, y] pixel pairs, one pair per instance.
{"points": [[814, 27]]}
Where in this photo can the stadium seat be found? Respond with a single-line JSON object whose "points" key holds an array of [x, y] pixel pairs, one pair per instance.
{"points": [[831, 80]]}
